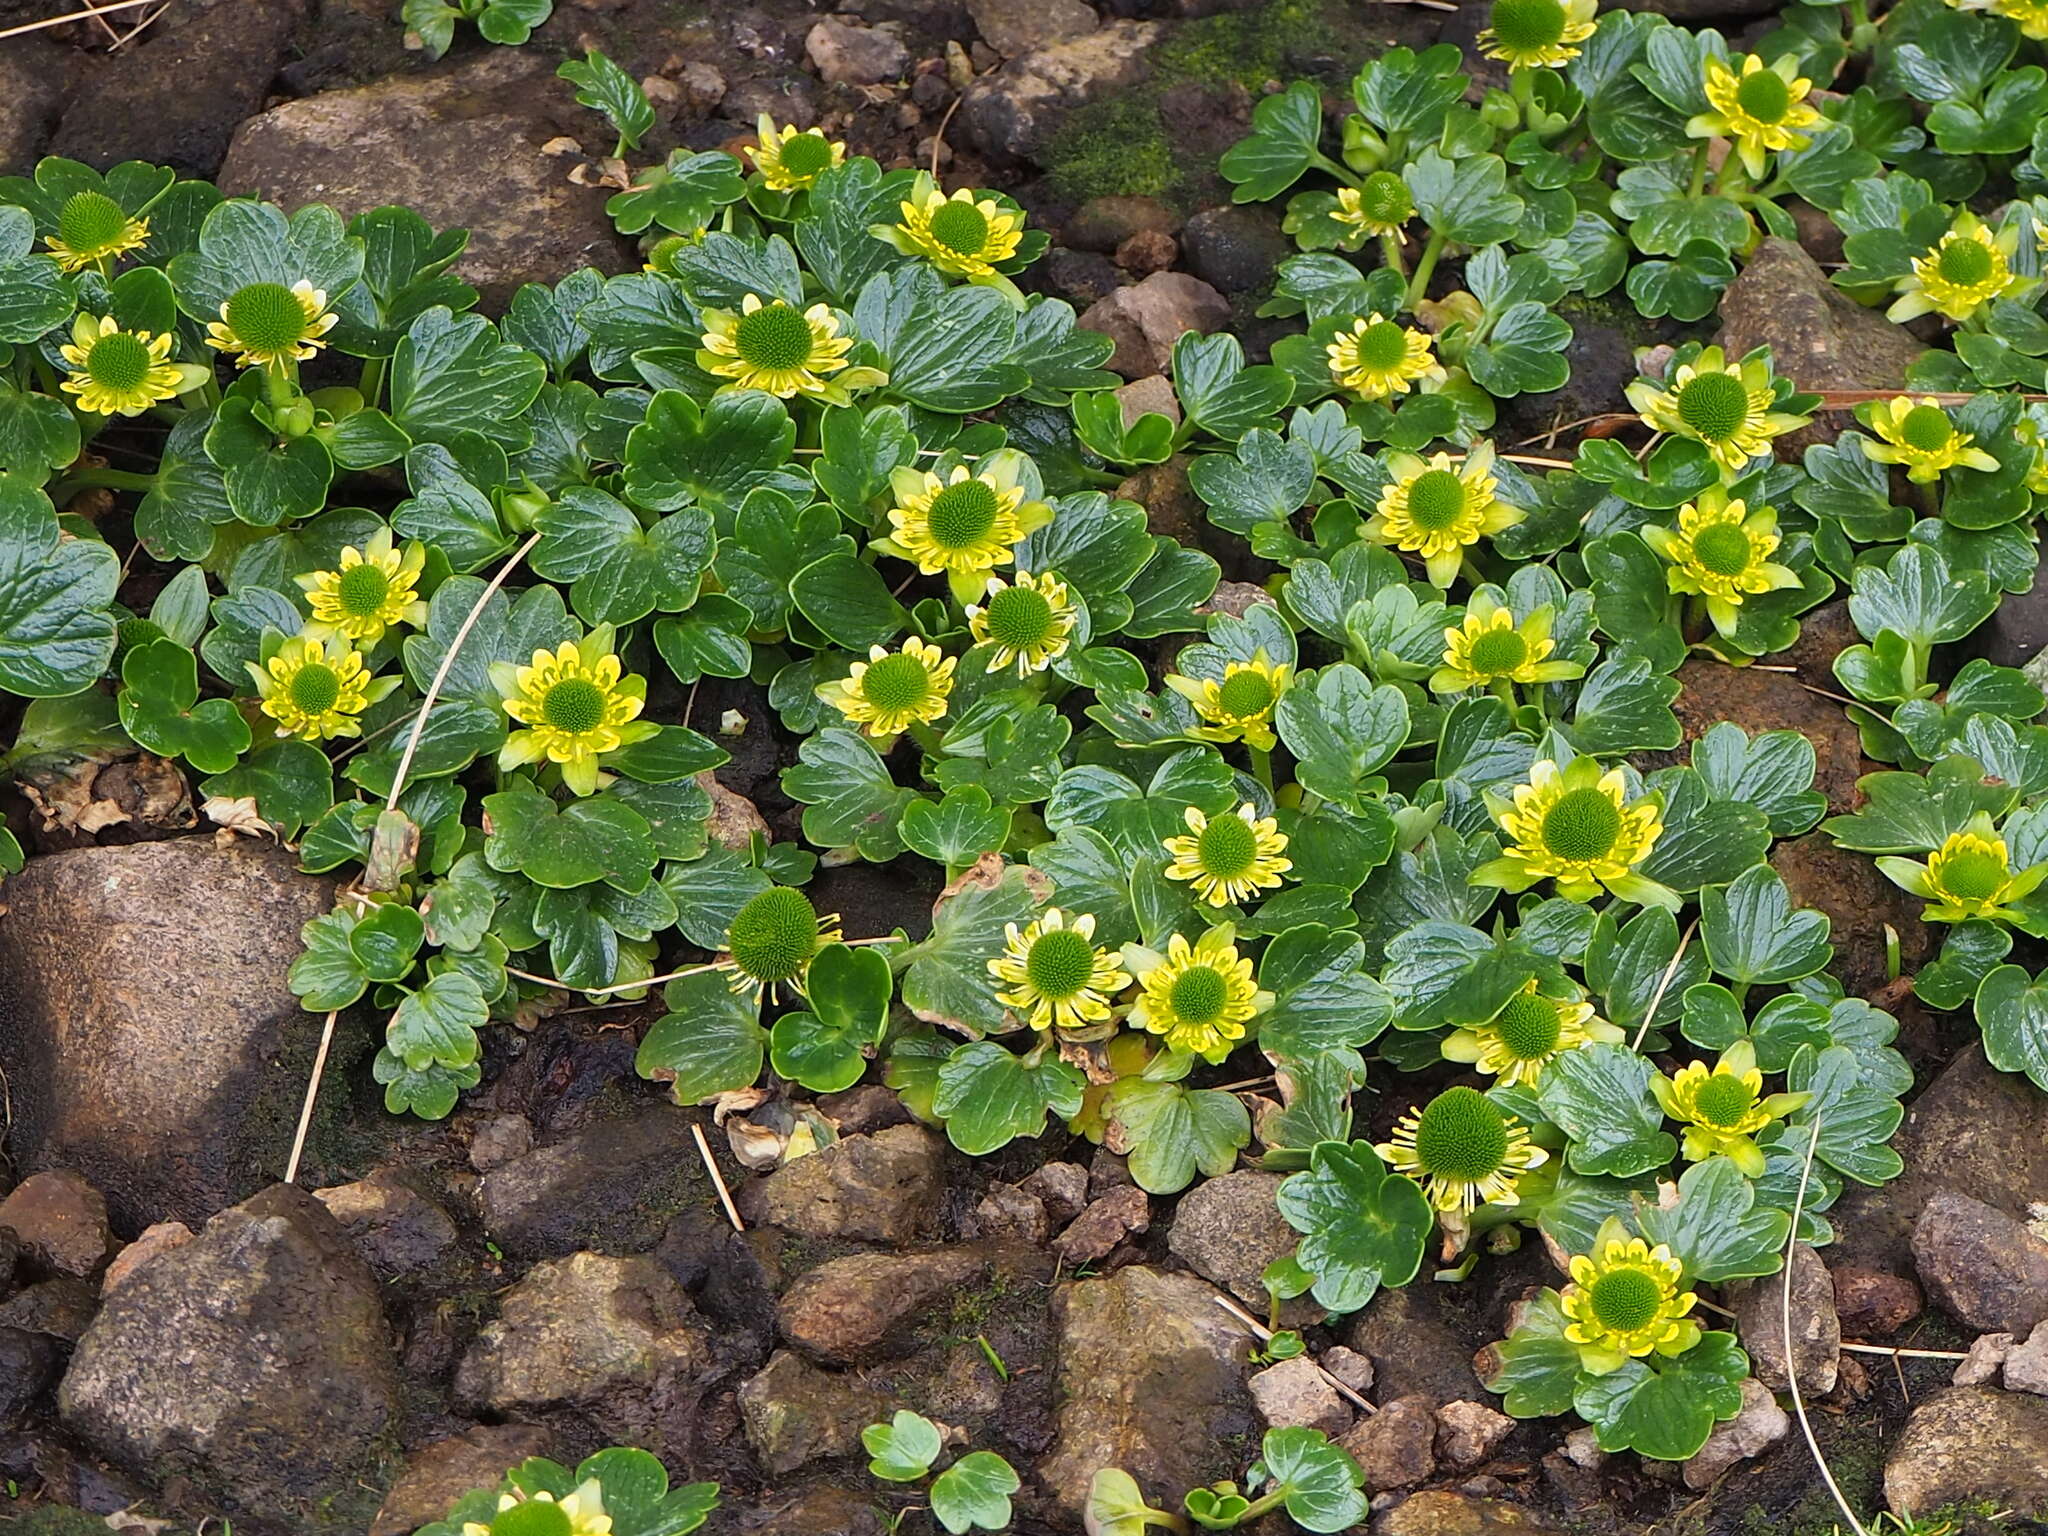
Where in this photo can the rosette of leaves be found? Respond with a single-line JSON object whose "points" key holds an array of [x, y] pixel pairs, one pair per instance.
{"points": [[632, 1488], [973, 1493]]}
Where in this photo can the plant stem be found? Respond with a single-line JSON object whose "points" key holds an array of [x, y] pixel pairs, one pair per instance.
{"points": [[1699, 170], [372, 384], [114, 479], [1262, 767], [1258, 1507], [1425, 268], [1337, 169], [1390, 253]]}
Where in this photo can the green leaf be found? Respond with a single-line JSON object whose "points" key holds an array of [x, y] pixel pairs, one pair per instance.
{"points": [[1772, 771], [1362, 1226], [37, 434], [1536, 1368], [1857, 1114], [453, 374], [843, 205], [56, 634], [436, 1026], [268, 479], [1218, 392], [430, 1093], [1706, 841], [1281, 146], [1716, 1229], [709, 891], [1323, 1484], [846, 597], [561, 847], [713, 455], [446, 512], [1323, 1000], [35, 298], [505, 629], [604, 87], [162, 711], [974, 1492], [945, 349], [1173, 1130], [903, 1450], [385, 941], [621, 571], [1174, 582], [1969, 954], [1685, 287], [850, 798], [710, 640], [327, 973], [709, 1042], [2012, 1013], [681, 195], [1524, 353], [946, 979], [291, 781], [1918, 598], [989, 1096], [1600, 1095], [1754, 934], [1343, 730], [1625, 706], [824, 1047], [511, 22], [957, 830], [1466, 200], [242, 241], [1667, 1410]]}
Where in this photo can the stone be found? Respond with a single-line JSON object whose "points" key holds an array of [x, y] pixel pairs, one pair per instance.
{"points": [[1236, 599], [419, 140], [1007, 1211], [795, 1413], [1873, 1302], [1982, 1265], [1348, 1366], [1227, 1230], [1081, 277], [1413, 1349], [1146, 318], [147, 1032], [1396, 1447], [1063, 1187], [846, 54], [1971, 1443], [1756, 1427], [1108, 1170], [1816, 1331], [1104, 223], [1164, 1412], [399, 1229], [253, 1360], [864, 1109], [612, 1339], [437, 1475], [1860, 904], [1468, 1434], [1012, 113], [1296, 1392], [1582, 1448], [857, 1308], [1442, 1513], [1095, 1233], [29, 1362], [1153, 395], [34, 76], [1146, 252], [610, 1187], [2026, 1365], [1236, 247], [1711, 692], [884, 1188], [1984, 1360], [176, 97], [1014, 27], [498, 1139], [153, 1243], [60, 1221], [818, 1512]]}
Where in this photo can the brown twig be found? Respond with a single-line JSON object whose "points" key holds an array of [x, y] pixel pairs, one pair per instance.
{"points": [[718, 1179], [1791, 1355], [91, 12], [1664, 981], [1266, 1337], [939, 135], [291, 1172]]}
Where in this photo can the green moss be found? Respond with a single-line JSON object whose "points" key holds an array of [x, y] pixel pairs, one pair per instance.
{"points": [[56, 1520]]}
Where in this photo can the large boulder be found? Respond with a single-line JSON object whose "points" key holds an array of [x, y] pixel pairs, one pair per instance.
{"points": [[148, 1036], [1013, 113], [1972, 1443], [253, 1360], [883, 1188], [796, 1413]]}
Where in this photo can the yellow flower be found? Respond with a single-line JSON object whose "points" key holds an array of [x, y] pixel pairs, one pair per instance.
{"points": [[1199, 997], [576, 703], [791, 158], [1240, 706], [772, 940], [1536, 34], [1439, 509], [1056, 971], [1967, 268], [1027, 625], [1969, 875], [1725, 406], [1624, 1303], [1723, 1109], [1920, 436], [965, 524], [122, 373], [270, 325], [1488, 648], [2031, 15], [961, 235], [1576, 826], [1759, 110], [1231, 858], [1379, 357], [1463, 1150], [375, 588], [1722, 552], [92, 229], [1381, 206], [1518, 1042], [893, 690], [584, 1505], [777, 348], [314, 690]]}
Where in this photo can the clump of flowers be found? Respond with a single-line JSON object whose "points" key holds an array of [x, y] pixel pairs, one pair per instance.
{"points": [[316, 689], [1027, 624], [267, 325], [962, 235], [1576, 825], [1463, 1150], [782, 351], [1536, 34], [964, 523], [1488, 649], [1379, 206], [116, 372], [1721, 552], [93, 231]]}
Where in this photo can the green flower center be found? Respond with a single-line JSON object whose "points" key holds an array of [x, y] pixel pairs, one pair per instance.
{"points": [[1722, 548], [131, 632], [1926, 429], [315, 688], [1523, 26], [662, 256], [1626, 1300], [806, 154], [895, 682], [1965, 262], [1199, 994], [1059, 963], [773, 937], [266, 317], [962, 514], [362, 590], [774, 336], [1461, 1135], [1227, 847], [1528, 1027], [1244, 695], [1764, 96], [1714, 405], [1498, 651], [535, 1517], [1582, 826], [118, 360], [90, 221], [1019, 618], [1381, 346], [1723, 1099], [574, 705], [961, 228], [1973, 874], [1436, 499], [1384, 198]]}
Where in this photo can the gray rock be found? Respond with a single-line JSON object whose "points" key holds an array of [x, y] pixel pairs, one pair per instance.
{"points": [[1971, 1443], [146, 1029], [1441, 1513], [1063, 1187], [857, 1308], [1228, 1230], [883, 1188], [1872, 1302], [1014, 27], [1348, 1366], [1164, 1412], [795, 1413], [1982, 1265], [253, 1360], [1468, 1434], [1012, 113], [847, 54], [1235, 248], [1104, 223], [1007, 1211], [399, 1229], [33, 78], [60, 1221], [1296, 1392], [1413, 1350], [439, 1474], [498, 1140], [610, 1188], [1759, 1425], [37, 1327], [1145, 319], [2026, 1365], [1816, 1331], [1984, 1360], [1095, 1233], [817, 1512], [1396, 1447], [1148, 396], [419, 140], [1081, 277], [153, 1243]]}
